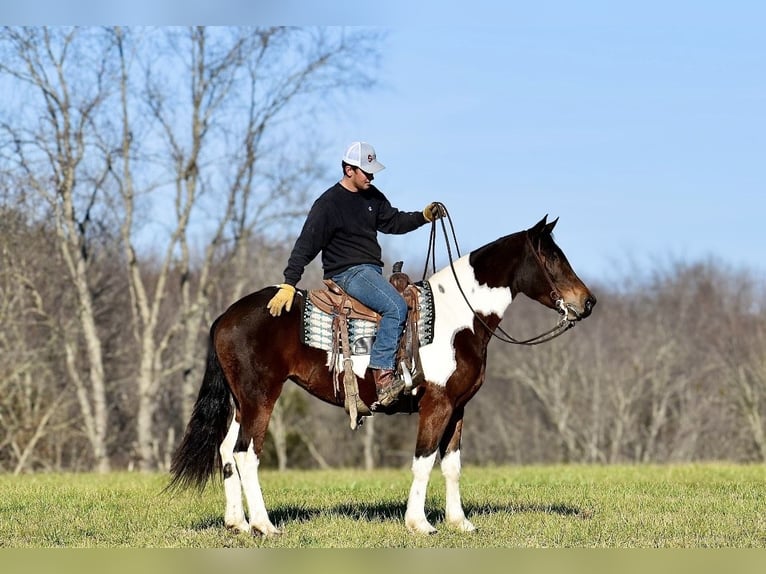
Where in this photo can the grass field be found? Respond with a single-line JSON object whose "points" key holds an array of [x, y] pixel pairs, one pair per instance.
{"points": [[687, 506]]}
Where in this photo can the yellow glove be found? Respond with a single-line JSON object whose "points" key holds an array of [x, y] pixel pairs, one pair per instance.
{"points": [[433, 211], [282, 300]]}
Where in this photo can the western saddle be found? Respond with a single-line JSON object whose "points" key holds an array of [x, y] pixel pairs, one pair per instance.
{"points": [[342, 307]]}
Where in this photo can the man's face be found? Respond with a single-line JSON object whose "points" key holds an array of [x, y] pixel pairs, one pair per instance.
{"points": [[359, 179]]}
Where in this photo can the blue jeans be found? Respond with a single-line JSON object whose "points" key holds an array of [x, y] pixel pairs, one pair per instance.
{"points": [[367, 284]]}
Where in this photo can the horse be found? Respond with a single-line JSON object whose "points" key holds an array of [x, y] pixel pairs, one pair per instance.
{"points": [[252, 354]]}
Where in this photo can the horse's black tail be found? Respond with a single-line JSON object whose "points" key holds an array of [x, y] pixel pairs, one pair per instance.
{"points": [[197, 457]]}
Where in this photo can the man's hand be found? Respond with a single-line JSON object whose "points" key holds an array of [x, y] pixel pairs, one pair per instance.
{"points": [[282, 300], [433, 211]]}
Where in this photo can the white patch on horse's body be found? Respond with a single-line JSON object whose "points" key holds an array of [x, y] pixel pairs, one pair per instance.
{"points": [[452, 315], [358, 362]]}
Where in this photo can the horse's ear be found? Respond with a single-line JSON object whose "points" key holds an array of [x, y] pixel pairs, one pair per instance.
{"points": [[549, 227], [538, 227]]}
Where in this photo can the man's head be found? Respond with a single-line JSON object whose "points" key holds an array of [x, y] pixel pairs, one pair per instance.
{"points": [[360, 165]]}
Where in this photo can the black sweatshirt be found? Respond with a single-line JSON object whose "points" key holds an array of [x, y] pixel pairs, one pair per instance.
{"points": [[343, 225]]}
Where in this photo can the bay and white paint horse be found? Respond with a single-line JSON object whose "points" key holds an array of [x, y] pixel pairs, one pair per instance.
{"points": [[252, 355]]}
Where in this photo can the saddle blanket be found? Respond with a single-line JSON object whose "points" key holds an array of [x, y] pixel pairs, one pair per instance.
{"points": [[317, 325]]}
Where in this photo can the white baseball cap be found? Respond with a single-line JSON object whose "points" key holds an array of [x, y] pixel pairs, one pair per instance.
{"points": [[362, 155]]}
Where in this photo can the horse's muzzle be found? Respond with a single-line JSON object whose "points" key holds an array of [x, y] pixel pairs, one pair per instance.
{"points": [[572, 313], [590, 302]]}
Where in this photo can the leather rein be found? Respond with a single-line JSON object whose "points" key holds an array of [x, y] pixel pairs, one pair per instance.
{"points": [[561, 327]]}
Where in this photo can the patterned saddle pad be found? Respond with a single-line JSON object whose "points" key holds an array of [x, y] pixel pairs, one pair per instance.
{"points": [[317, 325]]}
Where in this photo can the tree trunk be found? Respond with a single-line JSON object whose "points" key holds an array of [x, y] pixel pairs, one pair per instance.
{"points": [[369, 443], [278, 432]]}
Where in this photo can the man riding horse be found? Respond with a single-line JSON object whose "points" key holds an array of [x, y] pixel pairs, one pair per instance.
{"points": [[343, 224]]}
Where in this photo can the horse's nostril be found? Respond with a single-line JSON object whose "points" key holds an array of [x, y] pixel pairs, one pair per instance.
{"points": [[589, 303]]}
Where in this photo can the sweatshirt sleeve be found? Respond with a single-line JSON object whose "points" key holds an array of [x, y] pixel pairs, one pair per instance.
{"points": [[393, 221], [316, 230]]}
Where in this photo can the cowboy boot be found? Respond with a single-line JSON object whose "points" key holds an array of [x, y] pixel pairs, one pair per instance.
{"points": [[387, 385]]}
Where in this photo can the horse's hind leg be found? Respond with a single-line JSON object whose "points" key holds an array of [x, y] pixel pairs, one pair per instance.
{"points": [[450, 455], [255, 420], [234, 516], [247, 463]]}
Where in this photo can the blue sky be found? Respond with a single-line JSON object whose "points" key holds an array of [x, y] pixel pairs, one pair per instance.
{"points": [[645, 132], [641, 125]]}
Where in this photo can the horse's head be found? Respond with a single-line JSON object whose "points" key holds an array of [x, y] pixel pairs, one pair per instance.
{"points": [[554, 282]]}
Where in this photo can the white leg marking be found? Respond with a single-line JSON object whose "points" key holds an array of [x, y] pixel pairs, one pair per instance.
{"points": [[454, 512], [234, 515], [247, 463], [415, 517]]}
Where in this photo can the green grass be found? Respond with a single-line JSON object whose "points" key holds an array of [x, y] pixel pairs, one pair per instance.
{"points": [[709, 505]]}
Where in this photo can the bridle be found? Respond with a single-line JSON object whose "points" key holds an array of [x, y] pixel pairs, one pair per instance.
{"points": [[558, 300], [563, 325]]}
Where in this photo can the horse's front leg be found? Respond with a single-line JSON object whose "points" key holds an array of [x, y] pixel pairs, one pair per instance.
{"points": [[435, 413], [450, 455], [415, 517]]}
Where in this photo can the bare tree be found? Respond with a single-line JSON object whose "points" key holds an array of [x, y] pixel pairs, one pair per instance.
{"points": [[28, 399], [196, 128], [225, 174], [627, 384], [51, 149], [740, 346]]}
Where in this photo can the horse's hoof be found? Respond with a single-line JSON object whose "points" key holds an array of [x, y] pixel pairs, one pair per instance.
{"points": [[269, 531], [421, 527], [464, 525], [239, 528]]}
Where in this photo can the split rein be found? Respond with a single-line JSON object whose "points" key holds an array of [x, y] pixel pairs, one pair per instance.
{"points": [[561, 327]]}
